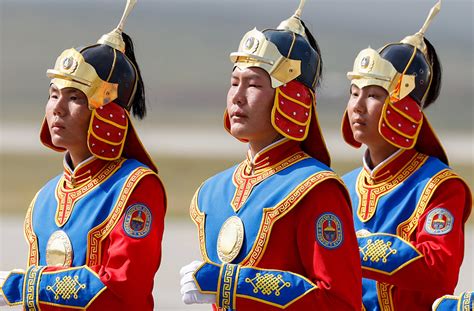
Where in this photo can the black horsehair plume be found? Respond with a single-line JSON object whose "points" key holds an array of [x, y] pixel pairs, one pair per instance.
{"points": [[138, 103], [435, 86], [314, 44]]}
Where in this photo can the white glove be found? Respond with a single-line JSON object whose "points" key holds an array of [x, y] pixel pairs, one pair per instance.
{"points": [[189, 289], [3, 277]]}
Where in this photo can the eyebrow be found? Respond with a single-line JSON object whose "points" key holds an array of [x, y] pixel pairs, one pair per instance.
{"points": [[247, 77]]}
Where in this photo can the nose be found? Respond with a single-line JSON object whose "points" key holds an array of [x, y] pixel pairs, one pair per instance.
{"points": [[358, 104], [60, 106], [238, 95]]}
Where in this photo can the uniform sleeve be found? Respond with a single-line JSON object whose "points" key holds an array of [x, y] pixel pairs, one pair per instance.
{"points": [[332, 278], [123, 281], [437, 244], [330, 259]]}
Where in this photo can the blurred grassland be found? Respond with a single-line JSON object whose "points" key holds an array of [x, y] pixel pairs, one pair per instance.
{"points": [[23, 175]]}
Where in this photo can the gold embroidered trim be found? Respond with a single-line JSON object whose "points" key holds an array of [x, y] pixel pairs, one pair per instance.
{"points": [[369, 195], [385, 296], [66, 287], [406, 228], [199, 218], [245, 184], [227, 286], [67, 198], [30, 234], [268, 284], [100, 232], [377, 250], [271, 215]]}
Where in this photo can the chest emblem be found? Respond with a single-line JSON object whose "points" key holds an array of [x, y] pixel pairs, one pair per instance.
{"points": [[230, 239], [59, 250], [329, 230], [439, 221]]}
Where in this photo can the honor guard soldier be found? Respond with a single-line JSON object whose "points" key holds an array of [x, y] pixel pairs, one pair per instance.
{"points": [[409, 206], [94, 232], [276, 230]]}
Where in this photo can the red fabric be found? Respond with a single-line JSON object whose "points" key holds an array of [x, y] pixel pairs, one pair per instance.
{"points": [[400, 122], [107, 132], [419, 283], [293, 103], [293, 246], [128, 264]]}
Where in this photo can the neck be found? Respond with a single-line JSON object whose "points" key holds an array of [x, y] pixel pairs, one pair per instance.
{"points": [[256, 146], [78, 157], [378, 154]]}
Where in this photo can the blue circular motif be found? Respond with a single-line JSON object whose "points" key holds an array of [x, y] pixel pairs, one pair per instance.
{"points": [[439, 221], [329, 231], [137, 222]]}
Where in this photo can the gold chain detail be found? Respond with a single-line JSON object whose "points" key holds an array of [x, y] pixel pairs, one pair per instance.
{"points": [[268, 284], [66, 287], [376, 250]]}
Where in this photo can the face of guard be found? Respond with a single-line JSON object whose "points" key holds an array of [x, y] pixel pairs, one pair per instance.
{"points": [[364, 109], [249, 105], [67, 117]]}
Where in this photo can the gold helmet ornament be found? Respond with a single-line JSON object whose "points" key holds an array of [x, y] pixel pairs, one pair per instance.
{"points": [[410, 72], [108, 74], [292, 58]]}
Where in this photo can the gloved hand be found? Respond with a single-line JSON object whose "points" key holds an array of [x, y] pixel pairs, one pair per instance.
{"points": [[3, 277], [189, 289]]}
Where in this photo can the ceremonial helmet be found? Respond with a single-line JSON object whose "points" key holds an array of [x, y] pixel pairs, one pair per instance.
{"points": [[292, 58], [108, 74], [410, 72]]}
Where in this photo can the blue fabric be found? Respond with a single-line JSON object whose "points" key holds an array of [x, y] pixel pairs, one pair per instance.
{"points": [[398, 205], [75, 287], [207, 277], [90, 211], [216, 194], [13, 287], [369, 295], [385, 253], [274, 287]]}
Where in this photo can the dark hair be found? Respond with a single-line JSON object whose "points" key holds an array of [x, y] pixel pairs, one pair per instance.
{"points": [[435, 86], [314, 44], [138, 104]]}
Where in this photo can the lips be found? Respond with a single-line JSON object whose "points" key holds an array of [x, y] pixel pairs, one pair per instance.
{"points": [[238, 114], [358, 122], [57, 125]]}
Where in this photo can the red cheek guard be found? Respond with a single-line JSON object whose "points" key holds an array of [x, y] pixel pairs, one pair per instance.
{"points": [[291, 113], [107, 131], [400, 122]]}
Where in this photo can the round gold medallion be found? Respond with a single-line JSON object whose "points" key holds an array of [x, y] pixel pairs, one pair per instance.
{"points": [[59, 250], [230, 239]]}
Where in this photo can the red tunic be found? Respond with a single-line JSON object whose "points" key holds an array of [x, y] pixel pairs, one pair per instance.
{"points": [[293, 246], [128, 265]]}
